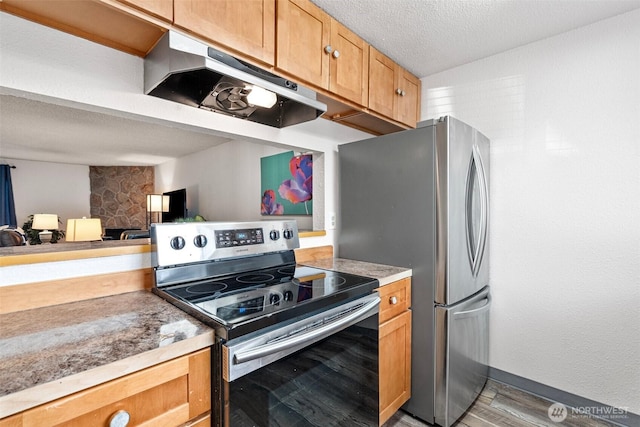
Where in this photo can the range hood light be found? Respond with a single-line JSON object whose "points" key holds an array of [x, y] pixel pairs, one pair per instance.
{"points": [[261, 97]]}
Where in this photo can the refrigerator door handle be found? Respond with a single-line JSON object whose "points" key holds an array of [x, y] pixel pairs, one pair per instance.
{"points": [[475, 311], [476, 244]]}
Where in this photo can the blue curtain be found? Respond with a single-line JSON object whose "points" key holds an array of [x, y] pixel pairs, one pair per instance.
{"points": [[7, 206]]}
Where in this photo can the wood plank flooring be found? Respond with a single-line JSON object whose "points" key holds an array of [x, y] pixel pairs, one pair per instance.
{"points": [[501, 405]]}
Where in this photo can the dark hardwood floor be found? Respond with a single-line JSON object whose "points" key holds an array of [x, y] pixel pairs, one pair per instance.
{"points": [[501, 405]]}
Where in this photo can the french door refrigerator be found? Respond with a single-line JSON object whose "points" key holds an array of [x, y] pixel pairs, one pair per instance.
{"points": [[420, 199]]}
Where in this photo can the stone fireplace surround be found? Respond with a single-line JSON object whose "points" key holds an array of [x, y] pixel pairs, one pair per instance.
{"points": [[118, 195]]}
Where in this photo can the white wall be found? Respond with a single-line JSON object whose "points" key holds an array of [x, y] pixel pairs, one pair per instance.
{"points": [[223, 182], [46, 65], [42, 187], [563, 116]]}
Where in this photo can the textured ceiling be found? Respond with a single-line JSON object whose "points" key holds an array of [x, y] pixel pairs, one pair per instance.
{"points": [[429, 36]]}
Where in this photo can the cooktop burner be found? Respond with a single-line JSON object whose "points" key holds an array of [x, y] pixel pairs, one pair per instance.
{"points": [[255, 278], [205, 288], [249, 296]]}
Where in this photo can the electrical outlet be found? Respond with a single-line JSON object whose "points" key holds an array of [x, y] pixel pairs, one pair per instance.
{"points": [[332, 221]]}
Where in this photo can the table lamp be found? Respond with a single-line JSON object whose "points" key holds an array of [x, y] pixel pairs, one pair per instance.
{"points": [[156, 203], [46, 223], [84, 230]]}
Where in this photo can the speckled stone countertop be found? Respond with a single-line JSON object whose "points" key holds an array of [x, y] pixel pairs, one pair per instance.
{"points": [[384, 273], [50, 352]]}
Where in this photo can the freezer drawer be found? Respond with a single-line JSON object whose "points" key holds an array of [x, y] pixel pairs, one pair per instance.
{"points": [[462, 355]]}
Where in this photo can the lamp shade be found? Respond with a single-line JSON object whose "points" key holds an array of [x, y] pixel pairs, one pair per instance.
{"points": [[45, 222], [84, 230], [157, 203]]}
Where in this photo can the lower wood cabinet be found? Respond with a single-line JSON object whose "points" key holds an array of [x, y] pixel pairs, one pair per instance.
{"points": [[394, 347], [173, 393]]}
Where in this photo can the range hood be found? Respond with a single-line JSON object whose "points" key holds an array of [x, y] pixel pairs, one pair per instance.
{"points": [[187, 71]]}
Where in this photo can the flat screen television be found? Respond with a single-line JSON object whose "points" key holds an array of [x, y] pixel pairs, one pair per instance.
{"points": [[177, 205]]}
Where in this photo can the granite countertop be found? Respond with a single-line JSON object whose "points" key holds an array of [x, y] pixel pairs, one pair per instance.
{"points": [[384, 273], [50, 352]]}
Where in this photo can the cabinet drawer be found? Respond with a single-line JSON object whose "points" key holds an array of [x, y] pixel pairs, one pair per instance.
{"points": [[394, 299], [171, 393]]}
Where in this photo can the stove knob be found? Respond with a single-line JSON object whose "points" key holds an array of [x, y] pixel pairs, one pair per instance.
{"points": [[177, 242], [274, 299], [200, 241], [288, 296], [274, 234], [288, 233]]}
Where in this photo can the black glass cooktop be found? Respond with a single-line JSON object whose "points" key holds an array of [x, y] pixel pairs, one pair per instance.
{"points": [[270, 295]]}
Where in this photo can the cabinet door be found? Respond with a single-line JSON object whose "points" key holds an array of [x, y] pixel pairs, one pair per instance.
{"points": [[349, 64], [170, 393], [303, 33], [395, 364], [393, 91], [161, 8], [247, 26], [382, 82], [408, 100]]}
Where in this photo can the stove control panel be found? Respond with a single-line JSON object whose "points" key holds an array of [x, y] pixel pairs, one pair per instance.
{"points": [[194, 242], [248, 236]]}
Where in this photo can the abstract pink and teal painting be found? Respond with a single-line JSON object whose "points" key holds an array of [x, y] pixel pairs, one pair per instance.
{"points": [[287, 184]]}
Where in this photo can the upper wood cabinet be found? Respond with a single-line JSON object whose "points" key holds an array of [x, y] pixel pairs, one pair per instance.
{"points": [[408, 105], [349, 64], [318, 50], [361, 87], [160, 8], [111, 23], [393, 91], [247, 27], [303, 32]]}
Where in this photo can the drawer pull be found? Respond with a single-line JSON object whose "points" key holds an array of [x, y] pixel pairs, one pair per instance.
{"points": [[393, 300], [119, 419]]}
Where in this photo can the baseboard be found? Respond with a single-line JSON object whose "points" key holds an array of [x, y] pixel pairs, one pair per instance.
{"points": [[581, 405]]}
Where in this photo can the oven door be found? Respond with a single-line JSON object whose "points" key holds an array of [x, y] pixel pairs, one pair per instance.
{"points": [[322, 370]]}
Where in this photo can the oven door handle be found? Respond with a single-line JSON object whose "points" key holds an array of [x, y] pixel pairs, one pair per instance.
{"points": [[305, 337]]}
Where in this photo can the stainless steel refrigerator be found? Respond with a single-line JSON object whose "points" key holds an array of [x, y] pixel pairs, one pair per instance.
{"points": [[420, 199]]}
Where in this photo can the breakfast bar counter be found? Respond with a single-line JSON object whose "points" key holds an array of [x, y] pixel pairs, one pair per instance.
{"points": [[50, 352]]}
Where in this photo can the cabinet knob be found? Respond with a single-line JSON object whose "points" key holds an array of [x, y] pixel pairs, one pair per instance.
{"points": [[336, 54], [119, 419], [400, 92], [393, 300], [328, 48]]}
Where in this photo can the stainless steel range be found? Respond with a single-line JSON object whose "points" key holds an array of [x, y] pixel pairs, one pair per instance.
{"points": [[294, 342]]}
